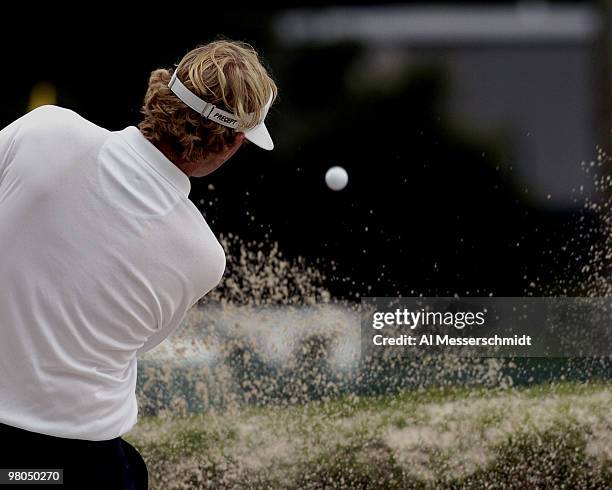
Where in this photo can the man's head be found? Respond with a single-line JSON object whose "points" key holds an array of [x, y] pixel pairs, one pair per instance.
{"points": [[227, 74]]}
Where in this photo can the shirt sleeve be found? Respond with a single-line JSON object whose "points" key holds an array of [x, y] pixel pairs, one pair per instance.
{"points": [[7, 144], [158, 337], [213, 280], [9, 135]]}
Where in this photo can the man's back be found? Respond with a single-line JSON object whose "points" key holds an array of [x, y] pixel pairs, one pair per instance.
{"points": [[102, 255]]}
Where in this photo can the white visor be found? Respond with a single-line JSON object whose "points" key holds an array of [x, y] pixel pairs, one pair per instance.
{"points": [[258, 134]]}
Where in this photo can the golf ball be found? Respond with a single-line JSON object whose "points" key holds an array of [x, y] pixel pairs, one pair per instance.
{"points": [[336, 178]]}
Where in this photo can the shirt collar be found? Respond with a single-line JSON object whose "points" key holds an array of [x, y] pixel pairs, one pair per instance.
{"points": [[156, 159]]}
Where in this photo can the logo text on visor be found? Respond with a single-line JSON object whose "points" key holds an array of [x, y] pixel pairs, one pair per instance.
{"points": [[207, 110]]}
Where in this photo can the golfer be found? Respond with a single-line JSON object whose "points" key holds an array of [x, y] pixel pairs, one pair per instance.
{"points": [[102, 253]]}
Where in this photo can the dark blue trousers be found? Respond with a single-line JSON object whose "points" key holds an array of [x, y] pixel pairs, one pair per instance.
{"points": [[112, 464]]}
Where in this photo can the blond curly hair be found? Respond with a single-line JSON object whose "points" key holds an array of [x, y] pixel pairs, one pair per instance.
{"points": [[228, 74]]}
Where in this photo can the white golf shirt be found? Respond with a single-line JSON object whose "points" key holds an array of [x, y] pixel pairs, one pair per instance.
{"points": [[101, 255]]}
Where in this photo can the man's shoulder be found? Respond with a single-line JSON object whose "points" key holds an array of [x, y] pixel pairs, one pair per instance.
{"points": [[45, 112], [58, 119], [50, 108]]}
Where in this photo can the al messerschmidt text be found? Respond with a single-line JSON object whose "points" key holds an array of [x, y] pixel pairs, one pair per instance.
{"points": [[430, 339]]}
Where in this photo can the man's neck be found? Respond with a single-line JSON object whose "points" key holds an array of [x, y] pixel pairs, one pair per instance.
{"points": [[166, 149]]}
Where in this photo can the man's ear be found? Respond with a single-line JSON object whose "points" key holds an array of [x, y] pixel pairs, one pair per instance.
{"points": [[239, 138], [233, 146]]}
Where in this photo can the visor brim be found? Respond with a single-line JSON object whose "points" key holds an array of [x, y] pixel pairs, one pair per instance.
{"points": [[260, 136]]}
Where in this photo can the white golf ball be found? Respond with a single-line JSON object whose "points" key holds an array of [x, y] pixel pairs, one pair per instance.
{"points": [[336, 178]]}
